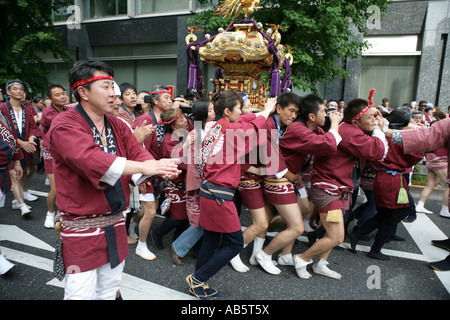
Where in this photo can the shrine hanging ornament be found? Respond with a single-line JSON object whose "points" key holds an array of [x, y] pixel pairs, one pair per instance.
{"points": [[242, 53]]}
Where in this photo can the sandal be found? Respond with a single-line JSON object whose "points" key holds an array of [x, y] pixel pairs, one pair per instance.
{"points": [[200, 289]]}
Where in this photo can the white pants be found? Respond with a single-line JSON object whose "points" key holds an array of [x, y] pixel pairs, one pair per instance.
{"points": [[98, 284]]}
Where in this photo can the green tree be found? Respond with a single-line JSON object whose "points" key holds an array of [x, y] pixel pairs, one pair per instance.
{"points": [[26, 29], [322, 32]]}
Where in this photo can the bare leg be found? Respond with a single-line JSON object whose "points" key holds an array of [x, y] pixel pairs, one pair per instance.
{"points": [[148, 215], [334, 236]]}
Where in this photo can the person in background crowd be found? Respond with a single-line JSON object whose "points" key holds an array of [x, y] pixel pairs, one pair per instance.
{"points": [[21, 118], [58, 98], [38, 105], [10, 156], [129, 102], [144, 106]]}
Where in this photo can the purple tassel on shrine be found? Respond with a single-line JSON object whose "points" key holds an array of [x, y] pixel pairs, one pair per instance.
{"points": [[275, 83], [286, 83], [193, 76], [195, 79]]}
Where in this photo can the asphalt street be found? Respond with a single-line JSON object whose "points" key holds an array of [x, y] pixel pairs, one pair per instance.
{"points": [[406, 276]]}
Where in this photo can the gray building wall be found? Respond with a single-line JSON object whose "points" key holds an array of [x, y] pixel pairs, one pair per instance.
{"points": [[430, 21], [130, 32], [433, 85]]}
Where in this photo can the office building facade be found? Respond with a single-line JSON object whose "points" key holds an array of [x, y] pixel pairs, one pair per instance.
{"points": [[144, 41]]}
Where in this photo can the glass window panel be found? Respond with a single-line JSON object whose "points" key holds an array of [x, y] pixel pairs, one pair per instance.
{"points": [[145, 74], [145, 6], [168, 48], [58, 74], [151, 6], [124, 71], [104, 8], [207, 5], [392, 77], [155, 72], [169, 5]]}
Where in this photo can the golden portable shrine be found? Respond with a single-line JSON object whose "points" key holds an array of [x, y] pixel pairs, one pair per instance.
{"points": [[242, 53]]}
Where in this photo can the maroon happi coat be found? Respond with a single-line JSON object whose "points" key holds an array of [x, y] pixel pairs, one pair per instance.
{"points": [[388, 181], [10, 146], [275, 162], [48, 114], [9, 152], [151, 143], [299, 141], [333, 174], [171, 147], [429, 140], [31, 128]]}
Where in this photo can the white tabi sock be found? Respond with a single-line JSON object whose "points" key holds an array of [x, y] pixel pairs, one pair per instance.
{"points": [[238, 265], [258, 244]]}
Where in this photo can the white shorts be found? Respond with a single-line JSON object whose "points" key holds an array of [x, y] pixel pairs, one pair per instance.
{"points": [[147, 197], [302, 192], [98, 284]]}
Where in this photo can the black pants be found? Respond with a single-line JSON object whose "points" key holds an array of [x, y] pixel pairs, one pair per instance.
{"points": [[386, 221], [169, 224]]}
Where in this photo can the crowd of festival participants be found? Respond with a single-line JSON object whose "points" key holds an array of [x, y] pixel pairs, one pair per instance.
{"points": [[115, 158]]}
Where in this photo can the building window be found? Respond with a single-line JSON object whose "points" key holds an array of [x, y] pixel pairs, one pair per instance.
{"points": [[94, 9], [393, 77], [153, 6], [145, 74], [390, 66]]}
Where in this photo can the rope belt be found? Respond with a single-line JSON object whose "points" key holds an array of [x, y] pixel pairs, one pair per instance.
{"points": [[97, 222]]}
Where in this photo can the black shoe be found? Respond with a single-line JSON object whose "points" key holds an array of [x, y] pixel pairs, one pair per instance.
{"points": [[396, 238], [378, 255], [443, 265], [410, 218], [444, 244], [157, 240], [353, 242]]}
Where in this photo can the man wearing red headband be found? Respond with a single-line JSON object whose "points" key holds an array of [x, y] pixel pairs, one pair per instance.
{"points": [[332, 183], [95, 154]]}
